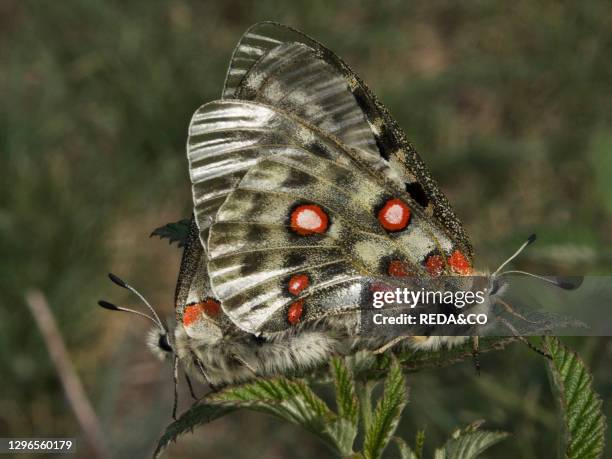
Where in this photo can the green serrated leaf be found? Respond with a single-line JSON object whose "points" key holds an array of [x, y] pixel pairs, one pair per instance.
{"points": [[174, 232], [345, 428], [364, 390], [197, 415], [404, 450], [583, 420], [346, 398], [468, 445], [419, 443], [387, 413], [292, 401], [342, 433]]}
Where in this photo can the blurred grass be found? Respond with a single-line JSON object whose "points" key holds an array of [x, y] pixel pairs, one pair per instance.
{"points": [[509, 104]]}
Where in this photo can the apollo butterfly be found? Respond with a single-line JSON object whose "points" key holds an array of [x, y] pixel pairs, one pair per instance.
{"points": [[306, 197]]}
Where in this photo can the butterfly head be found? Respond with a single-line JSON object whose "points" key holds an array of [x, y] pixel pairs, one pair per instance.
{"points": [[160, 343]]}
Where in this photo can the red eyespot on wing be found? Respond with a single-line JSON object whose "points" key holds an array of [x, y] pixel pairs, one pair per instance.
{"points": [[191, 314], [294, 314], [309, 219], [459, 263], [395, 215], [434, 265], [298, 283], [397, 268], [210, 307]]}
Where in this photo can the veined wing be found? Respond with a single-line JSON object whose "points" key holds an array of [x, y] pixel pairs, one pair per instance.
{"points": [[265, 66], [226, 138], [308, 223]]}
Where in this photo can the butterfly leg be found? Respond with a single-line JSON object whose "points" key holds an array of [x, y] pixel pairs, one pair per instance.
{"points": [[476, 354], [175, 379], [522, 339], [198, 363], [213, 387], [390, 344], [245, 363], [511, 311], [191, 391]]}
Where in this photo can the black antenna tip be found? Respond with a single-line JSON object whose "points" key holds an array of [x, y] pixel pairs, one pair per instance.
{"points": [[117, 280], [107, 305], [570, 283], [531, 239]]}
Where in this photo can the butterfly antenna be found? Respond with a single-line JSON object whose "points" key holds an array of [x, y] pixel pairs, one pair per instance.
{"points": [[113, 307], [567, 283], [530, 240], [556, 281], [121, 283]]}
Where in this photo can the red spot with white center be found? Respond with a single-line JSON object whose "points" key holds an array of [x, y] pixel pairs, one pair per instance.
{"points": [[298, 283], [309, 219], [434, 265], [395, 215], [460, 263], [193, 312], [397, 268], [294, 314]]}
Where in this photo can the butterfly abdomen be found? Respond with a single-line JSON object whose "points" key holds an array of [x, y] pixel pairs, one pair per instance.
{"points": [[241, 359]]}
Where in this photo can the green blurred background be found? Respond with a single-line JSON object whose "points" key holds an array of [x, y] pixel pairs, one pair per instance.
{"points": [[509, 104]]}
